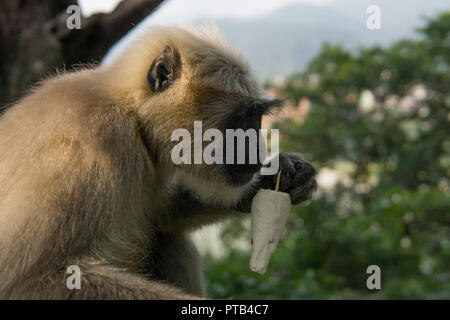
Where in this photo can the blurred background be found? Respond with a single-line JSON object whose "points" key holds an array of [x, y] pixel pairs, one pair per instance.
{"points": [[369, 107]]}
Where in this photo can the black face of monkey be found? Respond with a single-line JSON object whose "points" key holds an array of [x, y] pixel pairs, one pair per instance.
{"points": [[238, 118], [246, 116], [222, 110]]}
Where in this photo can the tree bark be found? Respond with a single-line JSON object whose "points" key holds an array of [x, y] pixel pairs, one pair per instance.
{"points": [[35, 41]]}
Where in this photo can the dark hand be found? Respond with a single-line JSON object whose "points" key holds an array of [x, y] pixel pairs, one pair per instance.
{"points": [[297, 179]]}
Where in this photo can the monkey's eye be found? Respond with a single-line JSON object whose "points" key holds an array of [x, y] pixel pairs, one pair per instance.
{"points": [[164, 70]]}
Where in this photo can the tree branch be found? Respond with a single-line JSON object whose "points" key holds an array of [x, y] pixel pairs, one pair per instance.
{"points": [[100, 31]]}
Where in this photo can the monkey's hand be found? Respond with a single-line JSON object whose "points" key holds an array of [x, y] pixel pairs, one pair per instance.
{"points": [[297, 179]]}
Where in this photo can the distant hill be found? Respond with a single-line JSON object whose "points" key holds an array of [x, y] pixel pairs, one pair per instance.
{"points": [[285, 40]]}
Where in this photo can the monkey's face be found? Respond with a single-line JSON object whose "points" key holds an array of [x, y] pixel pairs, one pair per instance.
{"points": [[245, 146], [207, 95]]}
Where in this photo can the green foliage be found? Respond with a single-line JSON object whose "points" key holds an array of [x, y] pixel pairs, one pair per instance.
{"points": [[379, 118]]}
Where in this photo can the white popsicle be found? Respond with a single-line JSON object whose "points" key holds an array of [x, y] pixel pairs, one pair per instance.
{"points": [[270, 211]]}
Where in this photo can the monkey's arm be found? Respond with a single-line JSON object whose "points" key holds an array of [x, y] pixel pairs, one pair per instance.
{"points": [[191, 210]]}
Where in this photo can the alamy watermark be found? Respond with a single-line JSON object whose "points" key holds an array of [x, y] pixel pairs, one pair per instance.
{"points": [[234, 140], [74, 280], [74, 19], [374, 280], [374, 20]]}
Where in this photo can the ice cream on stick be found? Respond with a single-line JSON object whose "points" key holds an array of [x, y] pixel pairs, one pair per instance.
{"points": [[270, 211]]}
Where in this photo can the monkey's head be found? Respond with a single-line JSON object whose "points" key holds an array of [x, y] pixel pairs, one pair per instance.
{"points": [[174, 77]]}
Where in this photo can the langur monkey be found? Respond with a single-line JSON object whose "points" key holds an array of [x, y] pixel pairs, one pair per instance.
{"points": [[86, 177]]}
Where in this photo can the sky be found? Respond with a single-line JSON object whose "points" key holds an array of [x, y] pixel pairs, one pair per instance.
{"points": [[184, 11]]}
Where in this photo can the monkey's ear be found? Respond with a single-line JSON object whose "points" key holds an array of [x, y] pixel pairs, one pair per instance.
{"points": [[164, 70]]}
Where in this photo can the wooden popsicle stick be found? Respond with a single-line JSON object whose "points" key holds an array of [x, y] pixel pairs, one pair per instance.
{"points": [[277, 185]]}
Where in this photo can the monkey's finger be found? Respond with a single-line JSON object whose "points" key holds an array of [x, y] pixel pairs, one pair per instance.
{"points": [[303, 174], [287, 172], [303, 192], [297, 160]]}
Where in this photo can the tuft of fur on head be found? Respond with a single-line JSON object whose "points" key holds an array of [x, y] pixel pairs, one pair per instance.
{"points": [[205, 55]]}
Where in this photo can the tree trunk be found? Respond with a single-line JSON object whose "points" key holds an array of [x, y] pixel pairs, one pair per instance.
{"points": [[35, 42]]}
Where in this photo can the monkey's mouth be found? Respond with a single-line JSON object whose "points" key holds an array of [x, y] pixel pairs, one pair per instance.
{"points": [[239, 174], [238, 178], [246, 118], [246, 161]]}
